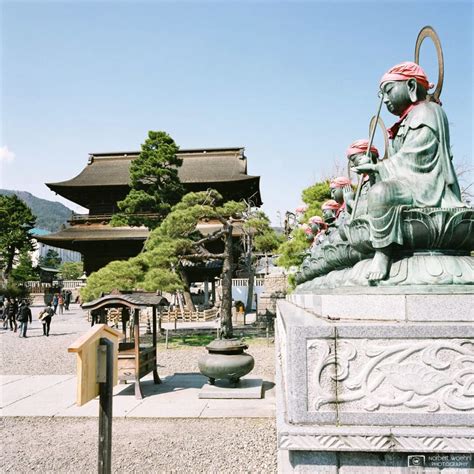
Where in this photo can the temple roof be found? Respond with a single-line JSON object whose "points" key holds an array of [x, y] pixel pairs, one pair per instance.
{"points": [[68, 237], [132, 300], [200, 166]]}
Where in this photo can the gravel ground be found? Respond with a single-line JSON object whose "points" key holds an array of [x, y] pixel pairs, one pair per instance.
{"points": [[229, 445], [160, 445], [40, 355]]}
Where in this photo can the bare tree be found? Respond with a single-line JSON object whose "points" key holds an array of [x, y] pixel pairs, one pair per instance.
{"points": [[465, 173]]}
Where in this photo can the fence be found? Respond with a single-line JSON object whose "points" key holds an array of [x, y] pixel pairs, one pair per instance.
{"points": [[240, 290], [245, 282], [39, 287], [114, 316], [188, 316]]}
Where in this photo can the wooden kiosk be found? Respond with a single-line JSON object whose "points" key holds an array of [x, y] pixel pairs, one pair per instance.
{"points": [[134, 360]]}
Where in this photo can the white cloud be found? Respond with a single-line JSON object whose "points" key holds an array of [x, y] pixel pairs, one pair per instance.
{"points": [[6, 155]]}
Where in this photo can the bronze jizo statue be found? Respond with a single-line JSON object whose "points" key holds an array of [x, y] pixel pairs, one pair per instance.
{"points": [[419, 172], [357, 156]]}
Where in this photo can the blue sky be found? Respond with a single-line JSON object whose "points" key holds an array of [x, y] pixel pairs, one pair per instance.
{"points": [[293, 82]]}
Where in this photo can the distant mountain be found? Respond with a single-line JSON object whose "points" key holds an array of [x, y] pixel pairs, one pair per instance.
{"points": [[50, 215]]}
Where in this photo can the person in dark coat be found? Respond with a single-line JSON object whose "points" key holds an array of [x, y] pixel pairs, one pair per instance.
{"points": [[55, 302], [67, 299], [11, 314], [6, 304], [46, 316], [24, 315]]}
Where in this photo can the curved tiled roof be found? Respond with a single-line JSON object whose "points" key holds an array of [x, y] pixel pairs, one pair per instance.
{"points": [[107, 175], [132, 300], [93, 233], [104, 232], [199, 166]]}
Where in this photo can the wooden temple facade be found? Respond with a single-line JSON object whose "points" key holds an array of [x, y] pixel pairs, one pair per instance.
{"points": [[106, 180]]}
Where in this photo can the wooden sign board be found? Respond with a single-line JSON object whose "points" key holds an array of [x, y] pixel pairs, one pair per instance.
{"points": [[87, 368]]}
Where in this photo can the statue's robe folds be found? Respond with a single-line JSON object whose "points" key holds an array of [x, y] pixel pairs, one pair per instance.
{"points": [[419, 173]]}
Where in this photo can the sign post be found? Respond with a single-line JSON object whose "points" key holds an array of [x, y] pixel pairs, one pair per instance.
{"points": [[105, 362], [96, 376]]}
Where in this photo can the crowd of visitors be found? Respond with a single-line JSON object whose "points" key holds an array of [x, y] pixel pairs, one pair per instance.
{"points": [[13, 311]]}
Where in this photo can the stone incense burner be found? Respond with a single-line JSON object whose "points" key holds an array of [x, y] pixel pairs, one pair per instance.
{"points": [[226, 359]]}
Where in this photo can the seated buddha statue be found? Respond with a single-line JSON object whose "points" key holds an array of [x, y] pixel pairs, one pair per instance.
{"points": [[419, 172]]}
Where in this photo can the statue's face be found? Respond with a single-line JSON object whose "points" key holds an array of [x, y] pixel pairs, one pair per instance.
{"points": [[396, 96], [337, 194], [328, 215], [359, 159]]}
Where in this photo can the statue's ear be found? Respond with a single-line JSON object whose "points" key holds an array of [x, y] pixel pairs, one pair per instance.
{"points": [[412, 87]]}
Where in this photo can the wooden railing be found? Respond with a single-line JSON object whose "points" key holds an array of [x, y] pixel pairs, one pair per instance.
{"points": [[84, 218], [114, 316], [188, 316]]}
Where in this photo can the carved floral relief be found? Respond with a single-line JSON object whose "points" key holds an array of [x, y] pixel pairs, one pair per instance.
{"points": [[417, 375]]}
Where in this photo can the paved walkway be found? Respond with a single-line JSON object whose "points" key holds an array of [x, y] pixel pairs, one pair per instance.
{"points": [[176, 397]]}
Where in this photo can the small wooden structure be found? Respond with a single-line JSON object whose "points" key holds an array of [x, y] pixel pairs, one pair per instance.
{"points": [[134, 360], [87, 368]]}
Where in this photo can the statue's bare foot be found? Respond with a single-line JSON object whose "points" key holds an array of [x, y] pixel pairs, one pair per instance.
{"points": [[379, 267]]}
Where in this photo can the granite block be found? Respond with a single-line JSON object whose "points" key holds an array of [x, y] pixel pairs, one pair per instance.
{"points": [[223, 389], [377, 306], [354, 388], [368, 307], [440, 308]]}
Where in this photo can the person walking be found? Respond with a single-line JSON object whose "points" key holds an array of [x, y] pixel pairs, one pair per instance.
{"points": [[55, 302], [24, 315], [45, 318], [6, 304], [67, 299], [61, 303], [11, 315]]}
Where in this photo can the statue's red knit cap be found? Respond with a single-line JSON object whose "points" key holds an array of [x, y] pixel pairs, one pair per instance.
{"points": [[360, 146], [331, 204], [405, 71], [339, 182]]}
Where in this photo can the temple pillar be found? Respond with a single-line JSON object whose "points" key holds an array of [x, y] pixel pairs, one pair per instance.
{"points": [[206, 292], [213, 291]]}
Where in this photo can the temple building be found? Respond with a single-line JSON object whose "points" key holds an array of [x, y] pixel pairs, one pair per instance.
{"points": [[106, 180]]}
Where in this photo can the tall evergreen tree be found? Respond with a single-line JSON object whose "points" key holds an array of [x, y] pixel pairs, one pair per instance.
{"points": [[16, 220], [24, 270], [154, 182], [50, 260]]}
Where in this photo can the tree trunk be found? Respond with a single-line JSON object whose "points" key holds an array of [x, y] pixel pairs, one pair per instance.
{"points": [[188, 301], [251, 275], [250, 288], [9, 266], [226, 304]]}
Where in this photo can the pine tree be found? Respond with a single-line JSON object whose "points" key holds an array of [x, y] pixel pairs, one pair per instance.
{"points": [[154, 181], [16, 220]]}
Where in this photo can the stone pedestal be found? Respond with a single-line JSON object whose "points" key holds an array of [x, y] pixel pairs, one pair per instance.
{"points": [[376, 382]]}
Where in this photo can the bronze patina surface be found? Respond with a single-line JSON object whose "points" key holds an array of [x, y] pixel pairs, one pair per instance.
{"points": [[226, 360], [407, 223]]}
